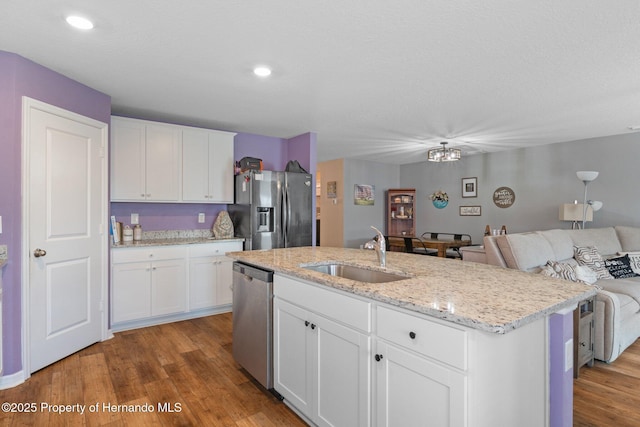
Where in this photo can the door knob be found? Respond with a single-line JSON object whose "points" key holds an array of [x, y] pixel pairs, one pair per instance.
{"points": [[39, 252]]}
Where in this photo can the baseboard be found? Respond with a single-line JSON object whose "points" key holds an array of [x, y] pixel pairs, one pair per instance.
{"points": [[151, 321], [9, 381]]}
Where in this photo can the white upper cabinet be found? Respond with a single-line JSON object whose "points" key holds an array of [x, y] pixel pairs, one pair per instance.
{"points": [[145, 161], [158, 162], [207, 158]]}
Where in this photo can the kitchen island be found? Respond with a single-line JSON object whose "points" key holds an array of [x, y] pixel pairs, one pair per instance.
{"points": [[455, 343]]}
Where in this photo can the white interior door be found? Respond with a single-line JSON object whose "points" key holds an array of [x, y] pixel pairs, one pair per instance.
{"points": [[66, 236]]}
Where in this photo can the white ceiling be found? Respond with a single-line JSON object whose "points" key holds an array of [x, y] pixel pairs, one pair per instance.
{"points": [[375, 79]]}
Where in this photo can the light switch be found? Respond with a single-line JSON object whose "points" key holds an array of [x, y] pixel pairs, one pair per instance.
{"points": [[0, 225], [135, 218], [201, 218]]}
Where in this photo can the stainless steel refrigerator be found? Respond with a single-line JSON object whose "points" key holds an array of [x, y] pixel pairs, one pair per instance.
{"points": [[273, 209]]}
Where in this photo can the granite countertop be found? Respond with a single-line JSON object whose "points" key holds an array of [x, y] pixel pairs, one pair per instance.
{"points": [[480, 296], [173, 241], [174, 237]]}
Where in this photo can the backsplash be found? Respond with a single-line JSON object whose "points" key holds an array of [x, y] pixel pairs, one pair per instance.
{"points": [[167, 216]]}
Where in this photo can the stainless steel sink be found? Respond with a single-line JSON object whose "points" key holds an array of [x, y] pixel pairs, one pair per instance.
{"points": [[355, 273]]}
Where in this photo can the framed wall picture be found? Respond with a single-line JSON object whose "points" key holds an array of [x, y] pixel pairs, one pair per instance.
{"points": [[332, 189], [364, 195], [470, 187], [470, 210]]}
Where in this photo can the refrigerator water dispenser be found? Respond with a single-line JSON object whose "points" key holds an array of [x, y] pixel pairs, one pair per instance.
{"points": [[265, 220]]}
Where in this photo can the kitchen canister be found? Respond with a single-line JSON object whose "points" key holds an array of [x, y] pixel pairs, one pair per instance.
{"points": [[137, 233], [127, 234]]}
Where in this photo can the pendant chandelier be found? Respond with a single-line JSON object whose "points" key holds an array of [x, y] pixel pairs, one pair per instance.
{"points": [[443, 154]]}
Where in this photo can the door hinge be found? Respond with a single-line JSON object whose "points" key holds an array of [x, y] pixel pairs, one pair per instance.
{"points": [[101, 152]]}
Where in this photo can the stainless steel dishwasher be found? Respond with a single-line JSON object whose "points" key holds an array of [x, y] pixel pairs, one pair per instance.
{"points": [[253, 321]]}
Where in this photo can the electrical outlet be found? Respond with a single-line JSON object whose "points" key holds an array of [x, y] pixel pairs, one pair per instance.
{"points": [[0, 225], [201, 218], [135, 218]]}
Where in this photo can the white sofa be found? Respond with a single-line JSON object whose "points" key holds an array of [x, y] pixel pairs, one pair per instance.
{"points": [[617, 311]]}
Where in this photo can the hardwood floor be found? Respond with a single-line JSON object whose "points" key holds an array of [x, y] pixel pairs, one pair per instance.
{"points": [[609, 395], [188, 366]]}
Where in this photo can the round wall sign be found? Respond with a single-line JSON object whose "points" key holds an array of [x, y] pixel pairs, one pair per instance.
{"points": [[504, 197]]}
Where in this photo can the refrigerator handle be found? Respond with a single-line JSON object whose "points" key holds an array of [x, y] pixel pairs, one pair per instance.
{"points": [[285, 215]]}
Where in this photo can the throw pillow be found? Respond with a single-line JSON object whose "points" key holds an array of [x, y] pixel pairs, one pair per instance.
{"points": [[634, 258], [563, 270], [586, 275], [547, 270], [620, 267], [589, 256]]}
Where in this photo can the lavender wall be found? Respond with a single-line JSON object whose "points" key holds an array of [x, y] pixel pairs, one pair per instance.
{"points": [[21, 77], [561, 381]]}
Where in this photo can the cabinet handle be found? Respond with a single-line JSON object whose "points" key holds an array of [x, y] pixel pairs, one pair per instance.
{"points": [[306, 323], [412, 335], [313, 326], [583, 344], [378, 357]]}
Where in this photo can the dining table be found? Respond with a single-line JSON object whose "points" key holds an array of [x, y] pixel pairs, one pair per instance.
{"points": [[400, 244]]}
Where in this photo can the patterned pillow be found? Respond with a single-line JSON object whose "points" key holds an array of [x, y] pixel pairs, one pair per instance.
{"points": [[563, 270], [620, 267], [547, 270], [589, 256], [634, 259]]}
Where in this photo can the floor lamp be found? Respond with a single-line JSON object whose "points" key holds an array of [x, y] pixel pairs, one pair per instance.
{"points": [[586, 177]]}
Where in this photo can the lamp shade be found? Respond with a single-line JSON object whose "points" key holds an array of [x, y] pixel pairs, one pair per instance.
{"points": [[587, 176], [596, 205], [573, 212]]}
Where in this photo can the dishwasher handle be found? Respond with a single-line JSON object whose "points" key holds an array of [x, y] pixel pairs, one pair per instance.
{"points": [[251, 272]]}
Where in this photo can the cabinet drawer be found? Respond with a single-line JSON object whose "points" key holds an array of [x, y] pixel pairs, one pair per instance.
{"points": [[329, 303], [152, 253], [443, 343], [214, 249]]}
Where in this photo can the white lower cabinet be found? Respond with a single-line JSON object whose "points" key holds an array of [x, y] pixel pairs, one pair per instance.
{"points": [[211, 275], [167, 283], [344, 360], [142, 289], [322, 367], [412, 390]]}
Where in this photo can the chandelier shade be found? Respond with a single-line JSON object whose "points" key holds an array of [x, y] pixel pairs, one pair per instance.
{"points": [[443, 154]]}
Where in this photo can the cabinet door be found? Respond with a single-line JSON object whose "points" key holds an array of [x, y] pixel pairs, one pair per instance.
{"points": [[221, 177], [412, 390], [195, 165], [342, 379], [168, 287], [292, 355], [224, 281], [127, 159], [131, 291], [202, 282], [163, 163]]}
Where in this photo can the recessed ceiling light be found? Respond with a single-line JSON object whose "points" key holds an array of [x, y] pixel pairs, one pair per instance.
{"points": [[262, 71], [79, 22]]}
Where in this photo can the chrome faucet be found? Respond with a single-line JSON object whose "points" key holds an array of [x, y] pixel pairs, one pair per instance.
{"points": [[379, 245]]}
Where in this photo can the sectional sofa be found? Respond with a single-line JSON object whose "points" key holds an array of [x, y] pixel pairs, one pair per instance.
{"points": [[617, 311]]}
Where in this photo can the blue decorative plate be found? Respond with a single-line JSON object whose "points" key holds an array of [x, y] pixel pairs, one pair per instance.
{"points": [[440, 203]]}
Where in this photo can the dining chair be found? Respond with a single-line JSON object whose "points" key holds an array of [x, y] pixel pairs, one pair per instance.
{"points": [[415, 245]]}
